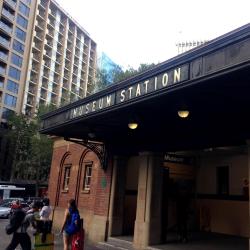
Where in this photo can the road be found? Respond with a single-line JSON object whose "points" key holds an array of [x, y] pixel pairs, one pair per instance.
{"points": [[5, 239]]}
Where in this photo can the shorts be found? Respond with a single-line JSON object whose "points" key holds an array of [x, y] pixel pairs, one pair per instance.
{"points": [[66, 234]]}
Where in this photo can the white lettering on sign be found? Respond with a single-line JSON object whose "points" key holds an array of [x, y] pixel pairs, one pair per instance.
{"points": [[155, 83]]}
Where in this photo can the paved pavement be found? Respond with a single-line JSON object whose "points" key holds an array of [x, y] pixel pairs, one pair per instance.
{"points": [[5, 239], [197, 242]]}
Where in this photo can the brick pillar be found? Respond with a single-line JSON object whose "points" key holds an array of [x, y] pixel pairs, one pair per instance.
{"points": [[149, 201], [118, 187]]}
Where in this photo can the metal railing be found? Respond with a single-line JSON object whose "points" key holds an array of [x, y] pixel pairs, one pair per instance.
{"points": [[4, 42], [2, 70], [8, 14], [5, 27], [11, 3], [3, 56]]}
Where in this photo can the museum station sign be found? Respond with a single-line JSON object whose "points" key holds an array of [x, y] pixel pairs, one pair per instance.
{"points": [[137, 90], [220, 56]]}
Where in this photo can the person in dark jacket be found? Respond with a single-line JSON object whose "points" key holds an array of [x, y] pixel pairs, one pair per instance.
{"points": [[20, 235]]}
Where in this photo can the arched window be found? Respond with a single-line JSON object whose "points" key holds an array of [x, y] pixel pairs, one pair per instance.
{"points": [[66, 177], [87, 175]]}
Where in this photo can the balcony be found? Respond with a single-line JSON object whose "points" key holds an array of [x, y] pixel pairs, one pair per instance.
{"points": [[7, 14], [11, 3], [65, 85], [2, 71], [32, 90], [66, 76], [57, 70], [39, 35], [37, 45], [47, 53], [5, 27], [4, 42], [50, 33], [70, 39], [30, 102], [33, 79], [54, 89], [1, 84], [46, 74], [43, 4], [36, 57], [52, 13], [41, 14], [3, 56], [47, 63], [40, 25], [68, 56], [35, 69], [61, 29]]}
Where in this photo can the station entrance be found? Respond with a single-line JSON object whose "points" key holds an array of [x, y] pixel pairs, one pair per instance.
{"points": [[203, 197]]}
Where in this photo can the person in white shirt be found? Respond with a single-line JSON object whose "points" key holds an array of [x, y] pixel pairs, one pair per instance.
{"points": [[46, 210]]}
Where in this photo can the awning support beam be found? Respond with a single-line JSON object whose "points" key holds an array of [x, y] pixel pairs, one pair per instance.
{"points": [[98, 148]]}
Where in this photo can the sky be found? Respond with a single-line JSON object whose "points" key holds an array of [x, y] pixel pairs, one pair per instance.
{"points": [[131, 32]]}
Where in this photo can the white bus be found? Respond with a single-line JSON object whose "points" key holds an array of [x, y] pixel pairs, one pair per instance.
{"points": [[5, 190]]}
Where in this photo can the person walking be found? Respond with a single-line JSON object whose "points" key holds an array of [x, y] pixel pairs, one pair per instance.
{"points": [[20, 235], [46, 210], [71, 224]]}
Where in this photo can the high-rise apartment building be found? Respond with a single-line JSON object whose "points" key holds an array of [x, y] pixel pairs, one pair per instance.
{"points": [[45, 56]]}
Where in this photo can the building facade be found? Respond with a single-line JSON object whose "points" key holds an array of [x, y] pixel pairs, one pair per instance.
{"points": [[107, 66], [46, 57], [131, 181]]}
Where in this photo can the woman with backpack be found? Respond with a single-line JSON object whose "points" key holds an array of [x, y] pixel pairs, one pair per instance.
{"points": [[71, 224]]}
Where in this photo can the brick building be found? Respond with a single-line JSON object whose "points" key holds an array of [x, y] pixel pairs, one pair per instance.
{"points": [[76, 173]]}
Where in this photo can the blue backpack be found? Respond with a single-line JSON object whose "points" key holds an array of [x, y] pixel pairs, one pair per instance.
{"points": [[73, 223]]}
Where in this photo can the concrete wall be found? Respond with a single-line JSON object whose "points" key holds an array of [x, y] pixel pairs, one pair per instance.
{"points": [[226, 216], [206, 173], [223, 216]]}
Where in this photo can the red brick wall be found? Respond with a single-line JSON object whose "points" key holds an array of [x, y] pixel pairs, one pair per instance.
{"points": [[97, 199]]}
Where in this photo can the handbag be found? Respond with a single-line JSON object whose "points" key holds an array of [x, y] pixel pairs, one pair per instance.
{"points": [[9, 229]]}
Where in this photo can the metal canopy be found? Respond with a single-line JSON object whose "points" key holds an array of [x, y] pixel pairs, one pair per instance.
{"points": [[216, 91]]}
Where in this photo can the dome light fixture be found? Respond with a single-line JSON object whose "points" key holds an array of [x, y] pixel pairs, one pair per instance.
{"points": [[133, 125], [183, 113]]}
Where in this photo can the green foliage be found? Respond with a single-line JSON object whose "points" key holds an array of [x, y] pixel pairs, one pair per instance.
{"points": [[31, 151], [117, 75]]}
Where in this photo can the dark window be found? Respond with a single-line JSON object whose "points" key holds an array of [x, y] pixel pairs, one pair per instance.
{"points": [[17, 46], [17, 60], [22, 21], [12, 86], [24, 9], [66, 177], [14, 73], [6, 113], [10, 100], [222, 180], [20, 34], [87, 176]]}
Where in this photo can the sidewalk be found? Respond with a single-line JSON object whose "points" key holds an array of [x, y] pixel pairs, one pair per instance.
{"points": [[5, 239]]}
